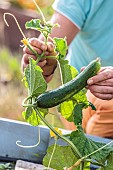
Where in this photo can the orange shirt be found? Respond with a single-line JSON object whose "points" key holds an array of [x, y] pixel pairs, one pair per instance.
{"points": [[99, 122]]}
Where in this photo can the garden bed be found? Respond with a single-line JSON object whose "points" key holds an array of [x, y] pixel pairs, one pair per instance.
{"points": [[11, 131]]}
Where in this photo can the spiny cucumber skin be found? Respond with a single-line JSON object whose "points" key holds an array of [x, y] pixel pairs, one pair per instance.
{"points": [[55, 97]]}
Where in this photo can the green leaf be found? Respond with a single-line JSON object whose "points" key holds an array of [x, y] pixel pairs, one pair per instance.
{"points": [[92, 106], [40, 84], [81, 97], [27, 113], [43, 112], [62, 157], [87, 166], [77, 113], [31, 116], [5, 166], [67, 108], [34, 24], [45, 28], [34, 80], [61, 47], [68, 72], [87, 146], [108, 163], [30, 75]]}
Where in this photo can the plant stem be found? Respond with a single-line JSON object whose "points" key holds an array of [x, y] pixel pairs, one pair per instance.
{"points": [[53, 56], [27, 105], [82, 166], [40, 56], [52, 154], [33, 51], [36, 54], [40, 11], [76, 151]]}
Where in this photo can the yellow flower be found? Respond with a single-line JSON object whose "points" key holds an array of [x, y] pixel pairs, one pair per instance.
{"points": [[52, 134], [25, 41]]}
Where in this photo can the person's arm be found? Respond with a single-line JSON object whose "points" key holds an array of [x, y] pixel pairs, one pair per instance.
{"points": [[67, 29], [101, 85]]}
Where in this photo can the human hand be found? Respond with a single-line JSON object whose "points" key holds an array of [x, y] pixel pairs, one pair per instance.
{"points": [[101, 85], [48, 65]]}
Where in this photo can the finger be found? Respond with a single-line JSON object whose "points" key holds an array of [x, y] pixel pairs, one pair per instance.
{"points": [[48, 70], [28, 51], [42, 63], [38, 43], [51, 62], [50, 47], [101, 89], [104, 75], [103, 96], [26, 58], [108, 82], [104, 68], [48, 78]]}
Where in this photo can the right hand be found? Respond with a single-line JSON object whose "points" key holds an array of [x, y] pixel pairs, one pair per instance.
{"points": [[48, 65], [101, 85]]}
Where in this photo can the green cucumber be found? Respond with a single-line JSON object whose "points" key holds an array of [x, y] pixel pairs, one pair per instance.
{"points": [[55, 97]]}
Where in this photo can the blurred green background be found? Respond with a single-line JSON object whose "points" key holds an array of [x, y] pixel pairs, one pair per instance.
{"points": [[12, 90]]}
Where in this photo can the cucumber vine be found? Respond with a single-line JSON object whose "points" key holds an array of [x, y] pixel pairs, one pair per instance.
{"points": [[83, 151]]}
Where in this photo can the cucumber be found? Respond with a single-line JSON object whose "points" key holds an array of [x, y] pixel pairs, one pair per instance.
{"points": [[55, 97]]}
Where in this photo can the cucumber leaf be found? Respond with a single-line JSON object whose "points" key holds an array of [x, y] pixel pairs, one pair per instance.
{"points": [[34, 80], [86, 146], [92, 106], [69, 108], [87, 166], [30, 76], [45, 28], [31, 116], [34, 24], [81, 97], [109, 163], [77, 113], [66, 110], [68, 72], [62, 157], [61, 47], [5, 166], [40, 84]]}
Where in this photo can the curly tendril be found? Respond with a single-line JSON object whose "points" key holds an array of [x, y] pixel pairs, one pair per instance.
{"points": [[16, 23], [32, 146]]}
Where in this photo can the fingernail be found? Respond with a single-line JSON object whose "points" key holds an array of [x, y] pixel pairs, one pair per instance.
{"points": [[90, 81]]}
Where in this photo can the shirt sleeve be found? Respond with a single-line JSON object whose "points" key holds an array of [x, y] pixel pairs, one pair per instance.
{"points": [[74, 10]]}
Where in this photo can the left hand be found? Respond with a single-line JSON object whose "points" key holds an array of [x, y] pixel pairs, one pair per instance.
{"points": [[101, 85], [48, 65]]}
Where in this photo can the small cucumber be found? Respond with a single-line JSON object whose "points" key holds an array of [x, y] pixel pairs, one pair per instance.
{"points": [[55, 97]]}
